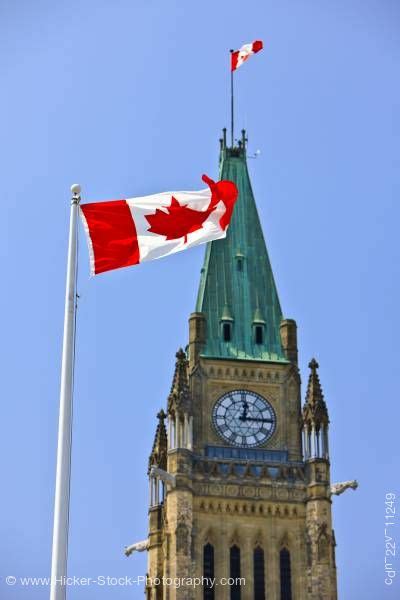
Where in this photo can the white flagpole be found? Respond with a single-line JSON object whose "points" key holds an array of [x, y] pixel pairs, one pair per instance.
{"points": [[63, 473]]}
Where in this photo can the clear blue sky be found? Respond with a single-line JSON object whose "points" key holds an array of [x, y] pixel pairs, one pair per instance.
{"points": [[129, 98]]}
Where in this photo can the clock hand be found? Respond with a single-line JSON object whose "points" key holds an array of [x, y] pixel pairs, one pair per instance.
{"points": [[243, 416], [257, 420]]}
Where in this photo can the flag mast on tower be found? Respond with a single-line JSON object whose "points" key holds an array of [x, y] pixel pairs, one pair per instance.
{"points": [[232, 69]]}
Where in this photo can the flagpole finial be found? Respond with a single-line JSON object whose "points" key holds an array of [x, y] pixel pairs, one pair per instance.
{"points": [[76, 189]]}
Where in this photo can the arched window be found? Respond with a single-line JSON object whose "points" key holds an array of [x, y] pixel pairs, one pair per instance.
{"points": [[234, 572], [239, 260], [259, 574], [286, 583], [259, 334], [208, 571], [226, 332]]}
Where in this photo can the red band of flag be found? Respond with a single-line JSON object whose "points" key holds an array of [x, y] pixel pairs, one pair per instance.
{"points": [[112, 234]]}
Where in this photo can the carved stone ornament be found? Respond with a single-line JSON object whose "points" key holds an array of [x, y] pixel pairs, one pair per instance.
{"points": [[184, 511], [137, 547], [166, 477], [339, 488]]}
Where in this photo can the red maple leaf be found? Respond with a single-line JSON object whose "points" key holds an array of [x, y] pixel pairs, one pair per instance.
{"points": [[179, 220]]}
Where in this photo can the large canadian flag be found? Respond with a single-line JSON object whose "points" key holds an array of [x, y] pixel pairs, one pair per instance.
{"points": [[121, 233]]}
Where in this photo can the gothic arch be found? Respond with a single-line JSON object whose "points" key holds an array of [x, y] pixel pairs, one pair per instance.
{"points": [[258, 539], [234, 539], [285, 541], [209, 537]]}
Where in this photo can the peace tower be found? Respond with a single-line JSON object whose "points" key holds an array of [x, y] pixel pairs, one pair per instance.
{"points": [[239, 470]]}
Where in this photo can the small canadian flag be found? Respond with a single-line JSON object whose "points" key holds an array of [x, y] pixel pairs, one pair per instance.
{"points": [[238, 57], [121, 233]]}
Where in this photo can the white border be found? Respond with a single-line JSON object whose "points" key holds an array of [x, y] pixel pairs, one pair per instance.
{"points": [[89, 243]]}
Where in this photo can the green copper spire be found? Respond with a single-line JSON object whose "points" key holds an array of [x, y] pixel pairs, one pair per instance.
{"points": [[237, 291]]}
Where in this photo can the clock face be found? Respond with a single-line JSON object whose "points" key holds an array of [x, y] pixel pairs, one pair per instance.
{"points": [[244, 418]]}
